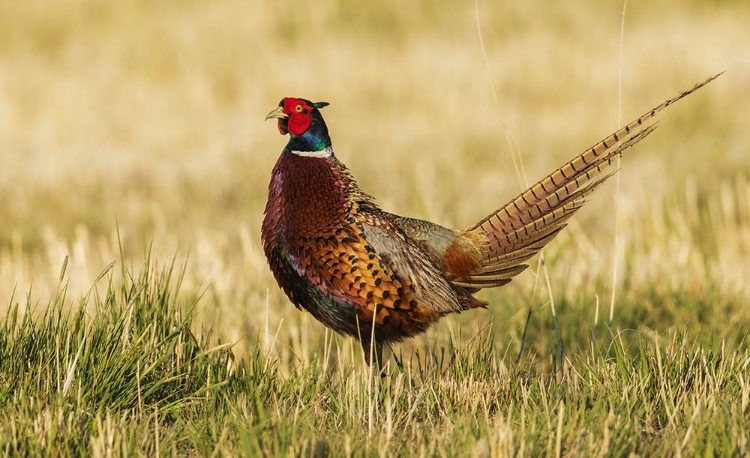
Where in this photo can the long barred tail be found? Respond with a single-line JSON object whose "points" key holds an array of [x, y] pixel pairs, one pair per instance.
{"points": [[522, 227]]}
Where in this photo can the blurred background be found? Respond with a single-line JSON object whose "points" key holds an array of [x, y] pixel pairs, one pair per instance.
{"points": [[147, 118]]}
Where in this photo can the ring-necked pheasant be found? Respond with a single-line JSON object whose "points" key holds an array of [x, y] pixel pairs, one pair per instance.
{"points": [[381, 277]]}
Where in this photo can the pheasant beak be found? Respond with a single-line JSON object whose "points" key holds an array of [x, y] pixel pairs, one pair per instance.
{"points": [[277, 113]]}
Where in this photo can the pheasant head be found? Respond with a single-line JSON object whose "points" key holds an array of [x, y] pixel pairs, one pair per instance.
{"points": [[301, 119]]}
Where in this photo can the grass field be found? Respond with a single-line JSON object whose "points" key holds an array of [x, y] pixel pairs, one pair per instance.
{"points": [[138, 315]]}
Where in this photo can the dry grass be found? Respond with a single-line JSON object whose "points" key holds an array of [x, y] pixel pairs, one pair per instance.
{"points": [[148, 117]]}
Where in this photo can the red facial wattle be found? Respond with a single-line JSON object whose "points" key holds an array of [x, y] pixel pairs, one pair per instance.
{"points": [[299, 116]]}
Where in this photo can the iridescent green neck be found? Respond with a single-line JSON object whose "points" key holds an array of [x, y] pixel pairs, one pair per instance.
{"points": [[315, 137]]}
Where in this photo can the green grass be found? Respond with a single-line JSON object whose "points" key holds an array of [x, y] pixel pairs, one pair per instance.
{"points": [[130, 375], [130, 358]]}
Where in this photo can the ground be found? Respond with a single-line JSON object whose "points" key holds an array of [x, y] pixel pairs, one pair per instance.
{"points": [[138, 315]]}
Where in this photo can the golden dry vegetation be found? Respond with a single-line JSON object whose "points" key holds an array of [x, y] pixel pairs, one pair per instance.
{"points": [[147, 118]]}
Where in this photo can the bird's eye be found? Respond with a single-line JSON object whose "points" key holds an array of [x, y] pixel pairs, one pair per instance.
{"points": [[298, 108]]}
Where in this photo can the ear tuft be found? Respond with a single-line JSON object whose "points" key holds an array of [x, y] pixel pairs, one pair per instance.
{"points": [[320, 104]]}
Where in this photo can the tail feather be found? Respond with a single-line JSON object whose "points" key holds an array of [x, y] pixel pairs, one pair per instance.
{"points": [[482, 283], [546, 224], [518, 230], [498, 274], [551, 201]]}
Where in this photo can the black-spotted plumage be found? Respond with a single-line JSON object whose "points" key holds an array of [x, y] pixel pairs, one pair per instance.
{"points": [[365, 272]]}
